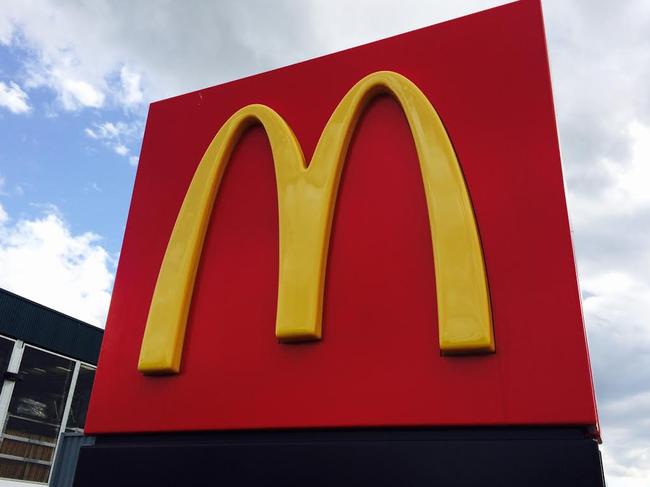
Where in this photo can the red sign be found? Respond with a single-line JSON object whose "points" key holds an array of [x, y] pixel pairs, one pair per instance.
{"points": [[378, 360]]}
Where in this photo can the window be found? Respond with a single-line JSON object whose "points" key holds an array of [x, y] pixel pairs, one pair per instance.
{"points": [[49, 395], [35, 415], [80, 398]]}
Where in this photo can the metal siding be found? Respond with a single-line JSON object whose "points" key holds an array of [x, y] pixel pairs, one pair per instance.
{"points": [[44, 327], [65, 464]]}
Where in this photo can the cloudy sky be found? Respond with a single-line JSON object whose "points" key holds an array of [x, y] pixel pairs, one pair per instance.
{"points": [[76, 79]]}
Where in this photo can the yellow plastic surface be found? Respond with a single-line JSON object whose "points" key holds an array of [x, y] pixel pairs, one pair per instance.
{"points": [[306, 200]]}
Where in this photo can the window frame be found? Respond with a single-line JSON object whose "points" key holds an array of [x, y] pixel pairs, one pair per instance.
{"points": [[6, 394]]}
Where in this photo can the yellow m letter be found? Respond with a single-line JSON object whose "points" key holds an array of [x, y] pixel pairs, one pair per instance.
{"points": [[306, 199]]}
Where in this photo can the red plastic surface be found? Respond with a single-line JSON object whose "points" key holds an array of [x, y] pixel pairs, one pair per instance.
{"points": [[487, 75]]}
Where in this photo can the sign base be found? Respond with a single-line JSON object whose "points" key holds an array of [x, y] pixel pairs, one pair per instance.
{"points": [[380, 457]]}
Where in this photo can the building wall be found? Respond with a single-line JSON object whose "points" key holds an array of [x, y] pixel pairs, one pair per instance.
{"points": [[47, 362]]}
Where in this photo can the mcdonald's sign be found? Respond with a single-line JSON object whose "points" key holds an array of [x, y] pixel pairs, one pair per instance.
{"points": [[375, 238], [306, 201]]}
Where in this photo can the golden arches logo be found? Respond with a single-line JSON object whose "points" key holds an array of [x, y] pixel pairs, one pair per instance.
{"points": [[306, 200]]}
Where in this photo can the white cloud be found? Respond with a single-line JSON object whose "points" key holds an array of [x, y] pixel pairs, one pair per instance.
{"points": [[43, 260], [6, 30], [4, 191], [116, 136], [625, 191], [77, 93], [13, 98], [73, 88], [107, 130], [179, 48], [631, 181], [617, 311], [131, 93], [92, 187]]}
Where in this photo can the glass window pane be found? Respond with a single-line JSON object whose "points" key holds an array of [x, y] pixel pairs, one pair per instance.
{"points": [[80, 398], [35, 414]]}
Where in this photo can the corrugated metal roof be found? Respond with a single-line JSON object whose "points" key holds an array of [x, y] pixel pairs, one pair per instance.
{"points": [[49, 329]]}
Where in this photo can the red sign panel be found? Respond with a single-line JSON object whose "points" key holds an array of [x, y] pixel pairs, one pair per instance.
{"points": [[378, 361]]}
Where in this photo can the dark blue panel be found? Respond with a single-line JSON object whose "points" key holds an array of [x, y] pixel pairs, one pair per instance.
{"points": [[44, 327]]}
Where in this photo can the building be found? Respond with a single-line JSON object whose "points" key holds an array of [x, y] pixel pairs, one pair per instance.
{"points": [[48, 362]]}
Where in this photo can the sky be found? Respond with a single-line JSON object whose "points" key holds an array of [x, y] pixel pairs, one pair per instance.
{"points": [[76, 79]]}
